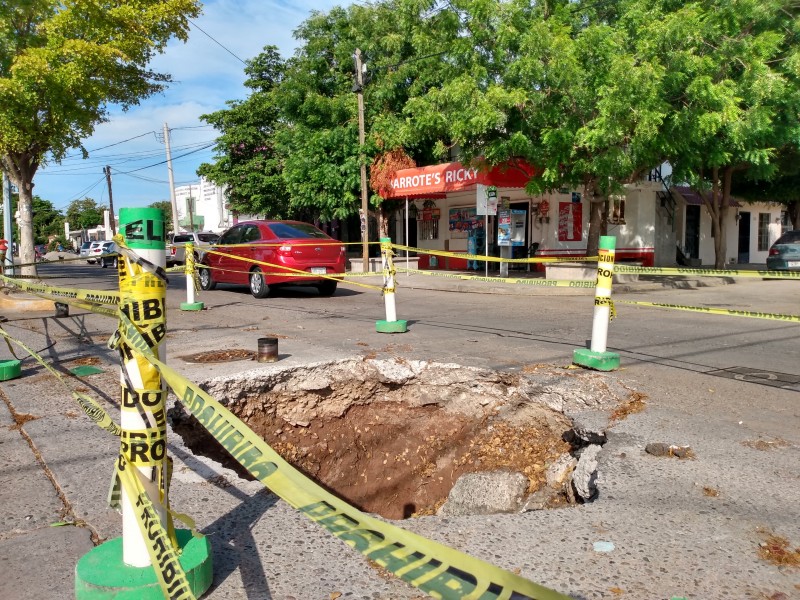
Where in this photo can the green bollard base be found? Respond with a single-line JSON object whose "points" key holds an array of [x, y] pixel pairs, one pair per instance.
{"points": [[101, 575], [600, 361], [391, 326], [192, 306], [10, 369]]}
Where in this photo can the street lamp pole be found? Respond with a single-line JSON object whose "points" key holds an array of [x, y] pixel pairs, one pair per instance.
{"points": [[364, 201]]}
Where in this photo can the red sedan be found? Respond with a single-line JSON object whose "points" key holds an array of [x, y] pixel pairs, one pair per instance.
{"points": [[286, 247]]}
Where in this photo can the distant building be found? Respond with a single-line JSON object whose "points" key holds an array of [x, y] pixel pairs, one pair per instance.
{"points": [[202, 206]]}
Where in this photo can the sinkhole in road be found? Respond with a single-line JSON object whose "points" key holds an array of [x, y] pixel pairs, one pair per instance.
{"points": [[393, 436]]}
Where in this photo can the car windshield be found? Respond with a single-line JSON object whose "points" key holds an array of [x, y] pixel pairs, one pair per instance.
{"points": [[790, 237], [288, 231], [207, 237]]}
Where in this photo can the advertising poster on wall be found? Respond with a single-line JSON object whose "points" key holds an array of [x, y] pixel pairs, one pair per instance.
{"points": [[518, 218], [570, 222], [462, 221], [504, 227]]}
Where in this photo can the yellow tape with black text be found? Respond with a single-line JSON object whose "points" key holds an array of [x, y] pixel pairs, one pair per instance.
{"points": [[432, 567]]}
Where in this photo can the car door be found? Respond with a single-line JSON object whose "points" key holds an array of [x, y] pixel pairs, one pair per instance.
{"points": [[224, 267]]}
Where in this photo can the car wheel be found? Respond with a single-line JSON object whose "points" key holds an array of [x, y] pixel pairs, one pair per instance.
{"points": [[206, 282], [258, 285], [115, 264], [327, 287]]}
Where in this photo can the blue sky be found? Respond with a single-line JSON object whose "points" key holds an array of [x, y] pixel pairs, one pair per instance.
{"points": [[205, 76]]}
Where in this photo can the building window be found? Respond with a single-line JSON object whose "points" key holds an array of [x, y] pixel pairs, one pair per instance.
{"points": [[763, 231], [616, 210]]}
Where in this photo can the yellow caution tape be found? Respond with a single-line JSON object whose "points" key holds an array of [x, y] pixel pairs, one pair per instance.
{"points": [[606, 301], [535, 282], [719, 311], [289, 272], [482, 257], [707, 272], [163, 554], [89, 406], [64, 294], [434, 568]]}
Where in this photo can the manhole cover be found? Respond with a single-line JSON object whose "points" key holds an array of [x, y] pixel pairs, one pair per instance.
{"points": [[218, 356], [392, 437], [760, 376]]}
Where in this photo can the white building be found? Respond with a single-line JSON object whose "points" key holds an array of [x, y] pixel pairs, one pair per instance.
{"points": [[204, 204]]}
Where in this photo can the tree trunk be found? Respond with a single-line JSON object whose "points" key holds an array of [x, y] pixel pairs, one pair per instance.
{"points": [[21, 169], [383, 221], [793, 209], [597, 203]]}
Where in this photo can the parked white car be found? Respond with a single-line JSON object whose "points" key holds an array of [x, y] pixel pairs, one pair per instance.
{"points": [[176, 251], [95, 250]]}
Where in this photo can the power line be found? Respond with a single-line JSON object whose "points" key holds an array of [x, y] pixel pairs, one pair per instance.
{"points": [[216, 42], [164, 161]]}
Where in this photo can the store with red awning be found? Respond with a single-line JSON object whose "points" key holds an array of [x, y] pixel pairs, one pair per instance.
{"points": [[436, 181]]}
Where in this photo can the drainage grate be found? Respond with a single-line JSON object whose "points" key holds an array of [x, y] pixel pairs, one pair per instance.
{"points": [[769, 378]]}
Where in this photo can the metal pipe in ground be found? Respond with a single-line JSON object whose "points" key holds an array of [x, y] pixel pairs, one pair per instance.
{"points": [[267, 349]]}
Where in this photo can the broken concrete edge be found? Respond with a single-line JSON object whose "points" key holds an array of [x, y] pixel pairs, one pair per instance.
{"points": [[400, 326], [192, 306], [10, 369], [101, 573], [600, 361]]}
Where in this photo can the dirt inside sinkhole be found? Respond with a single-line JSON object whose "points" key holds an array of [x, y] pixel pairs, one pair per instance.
{"points": [[392, 437]]}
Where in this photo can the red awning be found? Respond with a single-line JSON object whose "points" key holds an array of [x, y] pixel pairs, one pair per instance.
{"points": [[436, 181]]}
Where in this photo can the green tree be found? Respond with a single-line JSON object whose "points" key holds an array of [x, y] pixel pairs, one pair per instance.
{"points": [[166, 208], [319, 142], [732, 82], [555, 84], [47, 220], [247, 164], [782, 188], [61, 64], [85, 214]]}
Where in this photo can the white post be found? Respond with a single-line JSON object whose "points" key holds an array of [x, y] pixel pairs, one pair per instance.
{"points": [[143, 411], [597, 357], [391, 324], [188, 269], [408, 271]]}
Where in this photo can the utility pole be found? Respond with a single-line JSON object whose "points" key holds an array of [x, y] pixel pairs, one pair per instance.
{"points": [[107, 171], [364, 203], [171, 181]]}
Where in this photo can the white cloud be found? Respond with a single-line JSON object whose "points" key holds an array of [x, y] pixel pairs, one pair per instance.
{"points": [[205, 77]]}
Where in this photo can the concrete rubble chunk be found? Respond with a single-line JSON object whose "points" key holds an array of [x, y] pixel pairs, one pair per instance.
{"points": [[584, 476], [581, 436], [560, 470], [486, 493], [661, 449]]}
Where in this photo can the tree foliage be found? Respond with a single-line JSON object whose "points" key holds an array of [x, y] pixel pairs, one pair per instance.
{"points": [[732, 83], [85, 214], [247, 163], [594, 94], [166, 207], [61, 65]]}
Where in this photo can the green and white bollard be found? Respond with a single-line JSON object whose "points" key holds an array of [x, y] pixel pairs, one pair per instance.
{"points": [[391, 324], [122, 567], [188, 269], [597, 357]]}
